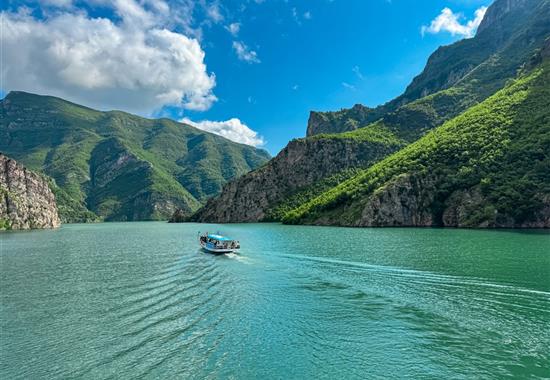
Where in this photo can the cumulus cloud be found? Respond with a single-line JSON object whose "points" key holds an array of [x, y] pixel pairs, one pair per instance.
{"points": [[135, 63], [232, 129], [447, 21], [245, 53]]}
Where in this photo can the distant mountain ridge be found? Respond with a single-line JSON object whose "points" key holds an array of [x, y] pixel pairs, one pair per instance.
{"points": [[117, 166], [456, 78]]}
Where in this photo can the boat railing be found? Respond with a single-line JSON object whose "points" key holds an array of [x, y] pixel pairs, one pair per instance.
{"points": [[213, 243]]}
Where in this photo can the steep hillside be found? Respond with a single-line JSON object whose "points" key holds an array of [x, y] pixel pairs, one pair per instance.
{"points": [[489, 167], [26, 200], [507, 43], [474, 68], [302, 163], [117, 166]]}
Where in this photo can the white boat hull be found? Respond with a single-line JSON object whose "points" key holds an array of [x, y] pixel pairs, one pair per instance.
{"points": [[217, 251]]}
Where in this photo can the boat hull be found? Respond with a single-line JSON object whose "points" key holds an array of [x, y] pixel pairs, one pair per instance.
{"points": [[216, 251]]}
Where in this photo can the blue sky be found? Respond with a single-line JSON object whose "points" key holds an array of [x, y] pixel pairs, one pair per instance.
{"points": [[248, 70]]}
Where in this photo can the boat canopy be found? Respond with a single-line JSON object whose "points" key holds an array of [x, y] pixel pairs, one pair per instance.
{"points": [[219, 237]]}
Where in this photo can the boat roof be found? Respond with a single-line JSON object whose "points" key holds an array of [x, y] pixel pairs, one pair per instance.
{"points": [[219, 237]]}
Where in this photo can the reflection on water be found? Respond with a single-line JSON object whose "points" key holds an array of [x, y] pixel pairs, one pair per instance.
{"points": [[127, 300]]}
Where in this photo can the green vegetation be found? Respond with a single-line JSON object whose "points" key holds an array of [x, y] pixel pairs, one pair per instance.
{"points": [[344, 120], [501, 146], [446, 142], [5, 224], [117, 166], [376, 133], [300, 197], [455, 77]]}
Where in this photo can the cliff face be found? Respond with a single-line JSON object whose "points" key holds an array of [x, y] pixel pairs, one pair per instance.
{"points": [[406, 202], [300, 164], [499, 10], [409, 201], [26, 200]]}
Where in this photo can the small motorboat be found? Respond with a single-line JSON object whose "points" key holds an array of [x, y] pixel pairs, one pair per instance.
{"points": [[218, 244]]}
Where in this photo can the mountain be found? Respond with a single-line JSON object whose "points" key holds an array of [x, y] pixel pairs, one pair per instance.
{"points": [[473, 68], [488, 167], [26, 200], [118, 166], [303, 162], [456, 78]]}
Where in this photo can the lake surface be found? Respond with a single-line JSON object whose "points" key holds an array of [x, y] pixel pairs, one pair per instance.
{"points": [[139, 300]]}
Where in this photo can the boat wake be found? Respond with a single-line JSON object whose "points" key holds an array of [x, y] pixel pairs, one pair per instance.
{"points": [[419, 274], [239, 258]]}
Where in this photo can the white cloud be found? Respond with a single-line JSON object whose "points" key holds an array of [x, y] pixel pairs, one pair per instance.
{"points": [[135, 64], [450, 22], [295, 16], [214, 13], [358, 72], [298, 18], [234, 28], [244, 53], [57, 3], [348, 86], [232, 129]]}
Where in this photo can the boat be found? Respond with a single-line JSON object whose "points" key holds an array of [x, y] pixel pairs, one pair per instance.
{"points": [[218, 244]]}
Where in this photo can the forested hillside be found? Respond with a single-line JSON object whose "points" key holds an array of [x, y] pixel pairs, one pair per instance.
{"points": [[118, 166]]}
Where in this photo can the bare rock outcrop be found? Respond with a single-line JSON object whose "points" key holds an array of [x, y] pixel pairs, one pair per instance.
{"points": [[470, 208], [405, 202], [498, 10], [410, 201], [26, 200]]}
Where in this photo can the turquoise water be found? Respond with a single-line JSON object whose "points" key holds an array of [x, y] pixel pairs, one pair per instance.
{"points": [[139, 300]]}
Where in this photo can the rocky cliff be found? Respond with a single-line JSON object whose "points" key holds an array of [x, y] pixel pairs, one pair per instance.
{"points": [[500, 9], [410, 201], [26, 200], [302, 163]]}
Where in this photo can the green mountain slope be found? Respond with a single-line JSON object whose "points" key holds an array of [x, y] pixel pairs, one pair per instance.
{"points": [[118, 166], [489, 166], [456, 76]]}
